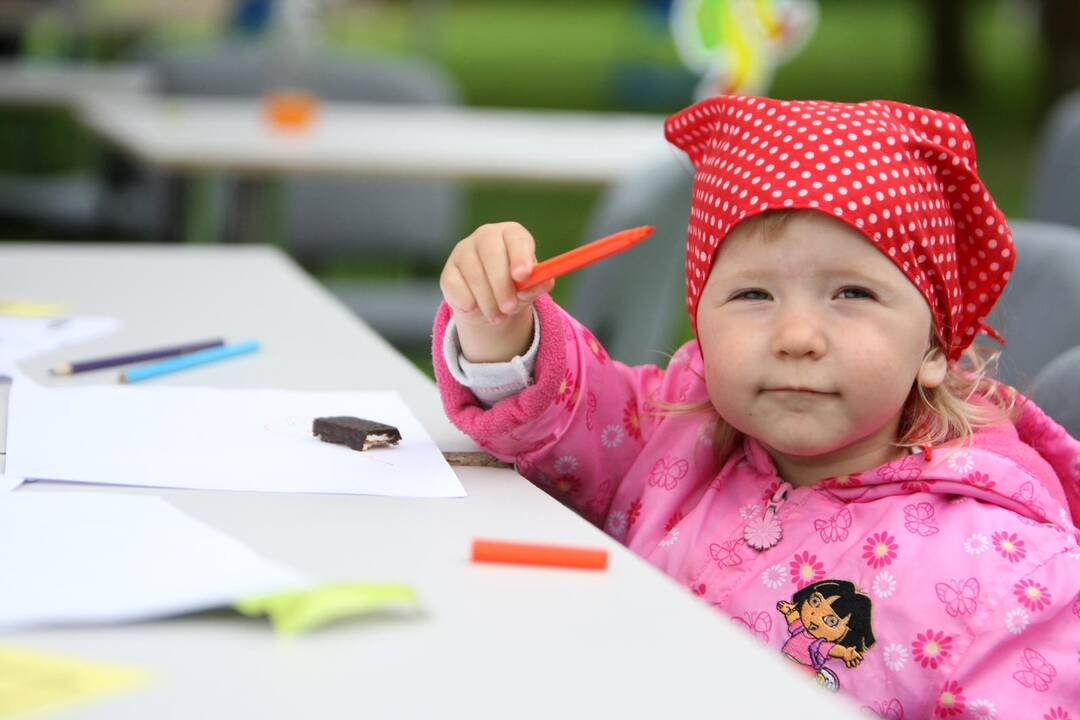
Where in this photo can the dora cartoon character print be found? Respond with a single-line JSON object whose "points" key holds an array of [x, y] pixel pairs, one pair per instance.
{"points": [[827, 619]]}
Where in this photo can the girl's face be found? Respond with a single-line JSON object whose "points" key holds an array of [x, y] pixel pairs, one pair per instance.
{"points": [[812, 339], [820, 620]]}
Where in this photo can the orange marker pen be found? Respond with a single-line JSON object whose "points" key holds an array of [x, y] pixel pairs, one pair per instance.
{"points": [[581, 256], [496, 551]]}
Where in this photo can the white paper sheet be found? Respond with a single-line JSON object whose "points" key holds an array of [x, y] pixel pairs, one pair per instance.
{"points": [[8, 482], [23, 337], [213, 439], [85, 558]]}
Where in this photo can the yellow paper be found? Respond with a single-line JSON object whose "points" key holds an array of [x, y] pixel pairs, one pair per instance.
{"points": [[31, 681], [296, 611], [31, 308]]}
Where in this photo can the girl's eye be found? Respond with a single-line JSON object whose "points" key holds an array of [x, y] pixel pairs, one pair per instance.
{"points": [[832, 621], [855, 293], [750, 295], [814, 602]]}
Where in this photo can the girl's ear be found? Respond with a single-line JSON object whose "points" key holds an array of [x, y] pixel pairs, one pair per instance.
{"points": [[933, 369]]}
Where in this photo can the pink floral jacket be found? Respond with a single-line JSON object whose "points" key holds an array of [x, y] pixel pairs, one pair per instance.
{"points": [[959, 572]]}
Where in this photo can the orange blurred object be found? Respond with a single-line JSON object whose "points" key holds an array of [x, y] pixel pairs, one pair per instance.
{"points": [[290, 109], [497, 551]]}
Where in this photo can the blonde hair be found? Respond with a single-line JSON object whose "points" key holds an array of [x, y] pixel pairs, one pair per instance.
{"points": [[967, 399]]}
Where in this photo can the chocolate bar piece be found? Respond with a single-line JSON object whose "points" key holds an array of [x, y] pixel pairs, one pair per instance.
{"points": [[357, 433]]}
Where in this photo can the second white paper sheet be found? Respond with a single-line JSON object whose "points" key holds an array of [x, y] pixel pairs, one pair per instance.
{"points": [[76, 558], [213, 439]]}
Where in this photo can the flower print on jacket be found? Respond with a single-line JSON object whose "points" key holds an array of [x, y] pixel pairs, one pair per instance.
{"points": [[884, 585], [1032, 595], [633, 512], [590, 410], [1009, 546], [827, 619], [672, 521], [773, 576], [951, 700], [594, 345], [565, 390], [979, 480], [919, 519], [805, 569], [880, 550], [960, 596], [961, 462], [1035, 672], [931, 649], [631, 419], [976, 544], [981, 708], [1017, 620], [895, 656], [612, 436], [842, 481]]}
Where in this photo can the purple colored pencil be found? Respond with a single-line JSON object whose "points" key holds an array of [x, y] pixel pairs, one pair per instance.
{"points": [[136, 357]]}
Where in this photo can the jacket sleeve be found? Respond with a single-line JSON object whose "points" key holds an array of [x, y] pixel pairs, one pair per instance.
{"points": [[580, 425], [1025, 661]]}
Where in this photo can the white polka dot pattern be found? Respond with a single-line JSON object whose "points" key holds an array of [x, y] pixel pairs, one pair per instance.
{"points": [[903, 176]]}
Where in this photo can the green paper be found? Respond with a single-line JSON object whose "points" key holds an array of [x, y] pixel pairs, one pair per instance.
{"points": [[296, 611]]}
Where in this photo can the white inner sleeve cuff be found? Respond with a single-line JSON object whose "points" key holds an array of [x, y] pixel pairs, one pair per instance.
{"points": [[491, 382]]}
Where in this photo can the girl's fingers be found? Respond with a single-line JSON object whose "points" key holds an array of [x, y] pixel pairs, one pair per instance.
{"points": [[520, 250], [527, 297], [472, 269], [494, 255], [455, 290]]}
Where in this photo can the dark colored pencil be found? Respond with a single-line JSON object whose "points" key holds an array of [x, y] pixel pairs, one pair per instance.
{"points": [[135, 357]]}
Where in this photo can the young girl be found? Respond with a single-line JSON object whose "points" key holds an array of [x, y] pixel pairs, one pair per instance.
{"points": [[829, 448]]}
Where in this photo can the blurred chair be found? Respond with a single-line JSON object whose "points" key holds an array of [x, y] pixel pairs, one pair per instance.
{"points": [[1038, 311], [632, 301], [360, 219], [1057, 390], [1055, 187]]}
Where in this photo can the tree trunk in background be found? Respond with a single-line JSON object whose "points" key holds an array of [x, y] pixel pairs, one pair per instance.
{"points": [[950, 72], [1061, 33]]}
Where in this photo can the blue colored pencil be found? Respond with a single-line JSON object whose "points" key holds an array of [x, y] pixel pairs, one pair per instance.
{"points": [[184, 362]]}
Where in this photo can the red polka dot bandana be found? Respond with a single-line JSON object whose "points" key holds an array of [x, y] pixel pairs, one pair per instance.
{"points": [[902, 175]]}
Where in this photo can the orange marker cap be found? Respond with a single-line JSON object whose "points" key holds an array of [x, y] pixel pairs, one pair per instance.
{"points": [[496, 551], [581, 256]]}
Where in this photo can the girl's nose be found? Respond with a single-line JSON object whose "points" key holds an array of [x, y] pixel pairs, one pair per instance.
{"points": [[799, 335]]}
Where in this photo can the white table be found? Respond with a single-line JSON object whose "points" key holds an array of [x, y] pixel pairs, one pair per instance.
{"points": [[185, 133], [494, 642], [182, 135], [68, 85]]}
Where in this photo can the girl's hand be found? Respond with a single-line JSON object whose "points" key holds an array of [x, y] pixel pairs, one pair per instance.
{"points": [[785, 607], [494, 320]]}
